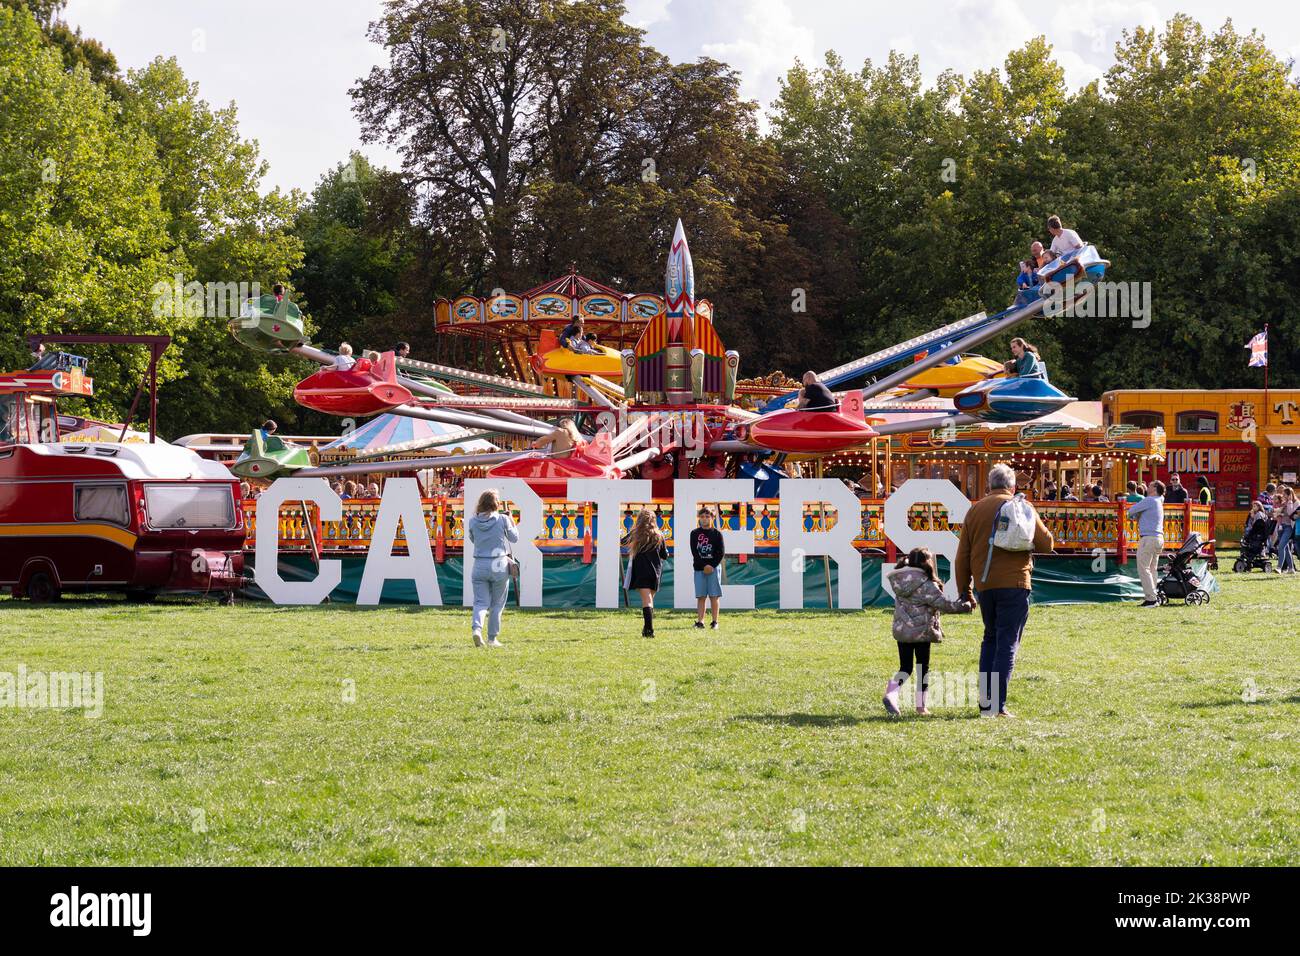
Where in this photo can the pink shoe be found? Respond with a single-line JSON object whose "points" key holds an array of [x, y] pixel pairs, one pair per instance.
{"points": [[890, 700]]}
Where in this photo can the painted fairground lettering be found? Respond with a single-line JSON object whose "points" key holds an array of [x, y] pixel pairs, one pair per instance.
{"points": [[831, 538]]}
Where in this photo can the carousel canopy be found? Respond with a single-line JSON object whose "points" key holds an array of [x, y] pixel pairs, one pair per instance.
{"points": [[103, 433], [397, 435]]}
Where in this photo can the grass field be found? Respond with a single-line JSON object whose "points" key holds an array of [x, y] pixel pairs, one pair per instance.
{"points": [[227, 738]]}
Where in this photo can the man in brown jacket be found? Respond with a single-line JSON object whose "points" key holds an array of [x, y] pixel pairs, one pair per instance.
{"points": [[1003, 593]]}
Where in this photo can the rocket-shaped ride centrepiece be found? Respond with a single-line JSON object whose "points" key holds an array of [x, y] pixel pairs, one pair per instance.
{"points": [[679, 299]]}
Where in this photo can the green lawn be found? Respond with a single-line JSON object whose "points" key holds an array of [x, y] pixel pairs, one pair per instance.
{"points": [[226, 739]]}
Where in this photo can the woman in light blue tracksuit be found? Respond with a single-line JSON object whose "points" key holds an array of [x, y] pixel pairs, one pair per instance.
{"points": [[492, 532]]}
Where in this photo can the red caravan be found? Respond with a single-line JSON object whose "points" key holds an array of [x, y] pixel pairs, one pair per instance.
{"points": [[98, 516]]}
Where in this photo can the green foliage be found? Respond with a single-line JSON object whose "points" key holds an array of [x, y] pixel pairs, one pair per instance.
{"points": [[1181, 168], [540, 134], [77, 51], [82, 230], [358, 248], [223, 229], [103, 203]]}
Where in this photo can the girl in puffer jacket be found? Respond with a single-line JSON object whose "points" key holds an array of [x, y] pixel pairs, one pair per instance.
{"points": [[918, 602]]}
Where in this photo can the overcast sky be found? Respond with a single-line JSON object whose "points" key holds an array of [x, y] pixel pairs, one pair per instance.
{"points": [[236, 49]]}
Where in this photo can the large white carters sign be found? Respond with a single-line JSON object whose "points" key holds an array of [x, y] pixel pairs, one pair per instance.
{"points": [[401, 507]]}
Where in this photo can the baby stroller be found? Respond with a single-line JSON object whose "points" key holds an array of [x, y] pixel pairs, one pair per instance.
{"points": [[1254, 547], [1178, 580]]}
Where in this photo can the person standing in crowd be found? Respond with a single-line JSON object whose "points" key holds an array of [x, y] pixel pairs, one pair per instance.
{"points": [[1132, 497], [707, 552], [1003, 584], [1265, 497], [492, 531], [1064, 241], [918, 602], [1284, 512], [646, 552], [1205, 494], [1175, 494], [1150, 515], [816, 397]]}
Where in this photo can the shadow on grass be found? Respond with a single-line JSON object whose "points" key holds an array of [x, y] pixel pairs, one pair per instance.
{"points": [[809, 720], [852, 720], [1238, 702]]}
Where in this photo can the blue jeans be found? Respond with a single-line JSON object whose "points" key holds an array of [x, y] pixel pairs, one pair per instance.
{"points": [[490, 590], [1285, 559], [1005, 611]]}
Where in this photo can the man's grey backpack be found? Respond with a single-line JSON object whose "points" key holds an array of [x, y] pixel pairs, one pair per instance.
{"points": [[1013, 529]]}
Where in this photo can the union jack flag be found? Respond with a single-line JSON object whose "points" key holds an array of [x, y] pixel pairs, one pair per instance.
{"points": [[1258, 350]]}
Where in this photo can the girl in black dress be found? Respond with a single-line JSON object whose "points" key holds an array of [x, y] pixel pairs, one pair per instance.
{"points": [[646, 552]]}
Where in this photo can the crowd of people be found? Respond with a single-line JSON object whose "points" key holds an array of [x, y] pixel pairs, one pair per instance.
{"points": [[1271, 524], [990, 575], [1064, 242]]}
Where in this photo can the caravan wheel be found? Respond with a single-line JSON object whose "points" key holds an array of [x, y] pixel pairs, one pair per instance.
{"points": [[41, 588]]}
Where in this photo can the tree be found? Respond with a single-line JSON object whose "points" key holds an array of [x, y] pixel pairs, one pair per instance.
{"points": [[82, 230], [222, 229], [358, 250], [77, 51]]}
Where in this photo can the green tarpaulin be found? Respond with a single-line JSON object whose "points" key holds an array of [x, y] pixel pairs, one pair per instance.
{"points": [[570, 583]]}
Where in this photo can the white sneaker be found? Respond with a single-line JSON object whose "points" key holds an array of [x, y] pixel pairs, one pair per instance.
{"points": [[493, 642], [478, 639]]}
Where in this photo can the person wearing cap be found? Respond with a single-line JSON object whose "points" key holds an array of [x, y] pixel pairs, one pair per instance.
{"points": [[1175, 494]]}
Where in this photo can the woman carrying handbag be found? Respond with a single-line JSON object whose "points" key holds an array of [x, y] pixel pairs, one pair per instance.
{"points": [[492, 532]]}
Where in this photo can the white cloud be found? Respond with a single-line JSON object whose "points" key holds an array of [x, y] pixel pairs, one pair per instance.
{"points": [[978, 35], [759, 38], [644, 13]]}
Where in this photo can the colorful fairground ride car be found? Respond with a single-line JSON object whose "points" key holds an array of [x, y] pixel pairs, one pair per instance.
{"points": [[269, 323], [101, 516]]}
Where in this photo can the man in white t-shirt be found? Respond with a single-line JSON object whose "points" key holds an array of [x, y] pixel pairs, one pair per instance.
{"points": [[1063, 240]]}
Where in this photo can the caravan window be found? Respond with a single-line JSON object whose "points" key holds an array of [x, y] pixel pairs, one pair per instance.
{"points": [[8, 419], [190, 505], [101, 503]]}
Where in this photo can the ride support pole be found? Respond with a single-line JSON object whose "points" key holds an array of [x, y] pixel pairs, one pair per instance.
{"points": [[586, 533], [1121, 534], [439, 531]]}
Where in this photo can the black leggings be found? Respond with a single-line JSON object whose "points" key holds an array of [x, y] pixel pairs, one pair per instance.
{"points": [[921, 652]]}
